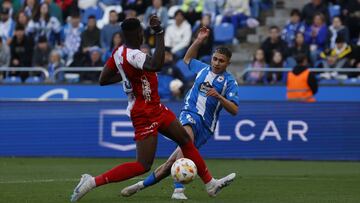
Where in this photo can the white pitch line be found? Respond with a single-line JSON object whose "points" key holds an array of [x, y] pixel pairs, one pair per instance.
{"points": [[49, 180]]}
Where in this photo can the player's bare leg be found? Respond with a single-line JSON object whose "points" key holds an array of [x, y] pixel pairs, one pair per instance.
{"points": [[160, 173], [146, 149], [213, 186]]}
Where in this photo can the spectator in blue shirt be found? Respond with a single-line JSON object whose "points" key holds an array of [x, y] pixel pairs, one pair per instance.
{"points": [[292, 27], [108, 30], [316, 35]]}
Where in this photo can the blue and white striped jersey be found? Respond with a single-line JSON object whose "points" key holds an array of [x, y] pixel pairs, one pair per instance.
{"points": [[209, 107]]}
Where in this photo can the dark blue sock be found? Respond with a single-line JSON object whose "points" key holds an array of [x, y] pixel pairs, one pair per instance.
{"points": [[150, 180], [178, 185]]}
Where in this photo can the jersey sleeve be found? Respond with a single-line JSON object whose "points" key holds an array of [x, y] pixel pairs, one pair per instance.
{"points": [[196, 65], [231, 92], [136, 58]]}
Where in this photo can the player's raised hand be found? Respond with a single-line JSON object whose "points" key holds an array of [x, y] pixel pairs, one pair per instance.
{"points": [[155, 24], [213, 93], [203, 33]]}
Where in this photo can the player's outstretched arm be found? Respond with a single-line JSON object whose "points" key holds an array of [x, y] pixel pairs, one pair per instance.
{"points": [[156, 62], [109, 76], [194, 48]]}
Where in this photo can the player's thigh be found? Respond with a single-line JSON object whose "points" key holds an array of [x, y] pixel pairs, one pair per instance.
{"points": [[145, 151], [176, 132]]}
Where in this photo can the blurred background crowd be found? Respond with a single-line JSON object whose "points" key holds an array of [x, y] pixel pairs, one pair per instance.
{"points": [[54, 34]]}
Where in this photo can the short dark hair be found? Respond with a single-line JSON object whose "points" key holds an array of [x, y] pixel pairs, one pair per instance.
{"points": [[179, 11], [300, 58], [340, 39], [295, 12], [224, 50], [274, 27], [92, 17], [130, 24], [75, 14]]}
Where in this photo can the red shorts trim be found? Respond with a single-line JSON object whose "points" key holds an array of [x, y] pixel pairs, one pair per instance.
{"points": [[151, 120]]}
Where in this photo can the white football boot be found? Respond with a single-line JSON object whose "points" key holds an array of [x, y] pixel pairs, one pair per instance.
{"points": [[87, 183], [215, 186], [179, 194], [132, 189]]}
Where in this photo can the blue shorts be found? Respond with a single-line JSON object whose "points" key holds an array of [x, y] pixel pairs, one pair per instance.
{"points": [[200, 130]]}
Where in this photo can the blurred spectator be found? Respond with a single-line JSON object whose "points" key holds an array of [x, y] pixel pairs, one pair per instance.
{"points": [[7, 26], [159, 11], [237, 12], [55, 10], [30, 8], [354, 61], [316, 36], [4, 55], [169, 63], [337, 29], [255, 77], [16, 5], [178, 35], [110, 2], [41, 53], [338, 56], [299, 48], [351, 13], [273, 42], [108, 30], [116, 42], [213, 8], [277, 61], [255, 6], [130, 14], [21, 51], [7, 4], [205, 50], [55, 62], [139, 6], [71, 36], [22, 19], [43, 24], [91, 36], [292, 27], [301, 83], [94, 61], [67, 7], [310, 9], [86, 4], [192, 10], [146, 49]]}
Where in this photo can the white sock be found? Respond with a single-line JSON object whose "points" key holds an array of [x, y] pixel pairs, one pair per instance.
{"points": [[210, 183]]}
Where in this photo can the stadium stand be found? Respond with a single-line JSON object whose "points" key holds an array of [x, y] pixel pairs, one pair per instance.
{"points": [[38, 21]]}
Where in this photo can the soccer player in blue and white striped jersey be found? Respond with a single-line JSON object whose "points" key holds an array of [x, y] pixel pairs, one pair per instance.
{"points": [[214, 88]]}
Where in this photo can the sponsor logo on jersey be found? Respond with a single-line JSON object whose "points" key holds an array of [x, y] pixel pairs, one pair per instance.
{"points": [[204, 88]]}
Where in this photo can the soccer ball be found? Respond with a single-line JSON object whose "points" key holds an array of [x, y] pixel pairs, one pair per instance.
{"points": [[183, 170]]}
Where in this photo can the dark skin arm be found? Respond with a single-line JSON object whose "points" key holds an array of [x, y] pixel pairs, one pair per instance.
{"points": [[156, 62], [109, 76]]}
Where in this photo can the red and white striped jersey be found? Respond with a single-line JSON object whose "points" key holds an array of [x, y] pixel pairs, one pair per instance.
{"points": [[140, 85]]}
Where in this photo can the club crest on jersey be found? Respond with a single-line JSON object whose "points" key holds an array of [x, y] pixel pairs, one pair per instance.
{"points": [[190, 119], [204, 87], [220, 78]]}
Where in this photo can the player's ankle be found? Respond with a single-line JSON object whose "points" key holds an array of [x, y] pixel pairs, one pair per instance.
{"points": [[211, 183]]}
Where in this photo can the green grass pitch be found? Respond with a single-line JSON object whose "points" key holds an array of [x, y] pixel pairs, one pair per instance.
{"points": [[52, 180]]}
